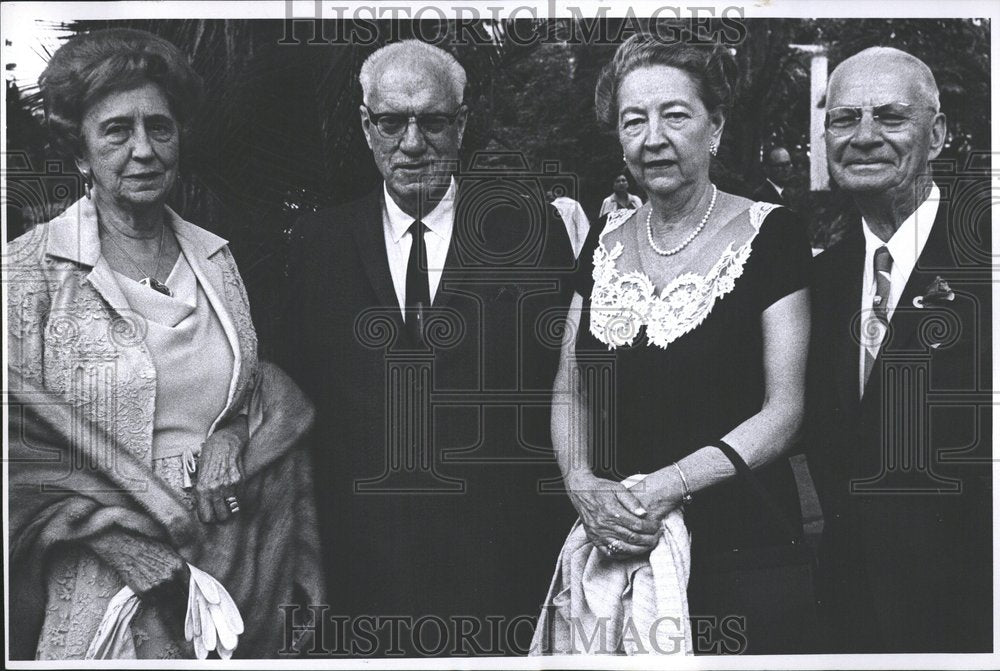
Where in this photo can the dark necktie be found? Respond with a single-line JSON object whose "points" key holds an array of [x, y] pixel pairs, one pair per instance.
{"points": [[418, 294], [880, 307]]}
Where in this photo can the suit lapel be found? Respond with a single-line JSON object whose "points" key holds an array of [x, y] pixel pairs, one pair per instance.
{"points": [[451, 268], [777, 195], [368, 235], [906, 318], [934, 259], [849, 276], [212, 282], [74, 235], [103, 280]]}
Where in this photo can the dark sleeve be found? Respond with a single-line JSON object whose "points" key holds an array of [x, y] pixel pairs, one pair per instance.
{"points": [[780, 258], [288, 353], [583, 276]]}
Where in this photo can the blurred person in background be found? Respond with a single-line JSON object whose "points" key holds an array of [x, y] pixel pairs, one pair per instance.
{"points": [[620, 198], [777, 174], [573, 216]]}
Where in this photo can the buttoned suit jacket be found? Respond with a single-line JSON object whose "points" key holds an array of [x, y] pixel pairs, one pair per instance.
{"points": [[903, 472], [429, 464]]}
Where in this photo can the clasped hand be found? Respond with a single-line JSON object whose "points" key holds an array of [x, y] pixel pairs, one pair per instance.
{"points": [[615, 520], [220, 471]]}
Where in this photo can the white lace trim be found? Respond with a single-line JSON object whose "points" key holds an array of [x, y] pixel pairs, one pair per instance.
{"points": [[621, 304]]}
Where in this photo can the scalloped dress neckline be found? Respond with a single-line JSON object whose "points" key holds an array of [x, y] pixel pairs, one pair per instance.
{"points": [[623, 303]]}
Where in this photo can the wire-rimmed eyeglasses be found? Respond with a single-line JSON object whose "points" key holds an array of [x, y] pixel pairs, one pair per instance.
{"points": [[890, 117]]}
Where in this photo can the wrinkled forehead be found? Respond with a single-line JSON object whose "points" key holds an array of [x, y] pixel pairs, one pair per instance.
{"points": [[143, 100], [413, 87], [874, 82]]}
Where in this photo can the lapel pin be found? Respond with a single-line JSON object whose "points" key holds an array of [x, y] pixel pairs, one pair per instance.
{"points": [[936, 293]]}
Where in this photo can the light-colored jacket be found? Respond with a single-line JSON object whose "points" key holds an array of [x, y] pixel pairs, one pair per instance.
{"points": [[70, 328]]}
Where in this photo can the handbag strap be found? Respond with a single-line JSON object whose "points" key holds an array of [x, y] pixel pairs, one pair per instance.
{"points": [[779, 518]]}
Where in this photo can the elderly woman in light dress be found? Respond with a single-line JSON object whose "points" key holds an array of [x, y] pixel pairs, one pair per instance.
{"points": [[139, 320]]}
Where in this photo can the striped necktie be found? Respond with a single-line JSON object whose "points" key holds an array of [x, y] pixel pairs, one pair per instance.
{"points": [[875, 331]]}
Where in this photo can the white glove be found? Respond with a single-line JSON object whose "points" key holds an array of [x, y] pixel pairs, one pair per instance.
{"points": [[113, 639], [212, 622]]}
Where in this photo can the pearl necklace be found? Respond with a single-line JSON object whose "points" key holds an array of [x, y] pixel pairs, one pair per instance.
{"points": [[687, 241]]}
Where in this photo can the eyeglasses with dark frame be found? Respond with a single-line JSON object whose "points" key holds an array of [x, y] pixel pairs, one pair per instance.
{"points": [[394, 124], [890, 117]]}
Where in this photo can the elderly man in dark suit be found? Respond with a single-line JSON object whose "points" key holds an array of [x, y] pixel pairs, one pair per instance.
{"points": [[900, 376], [777, 173], [421, 321]]}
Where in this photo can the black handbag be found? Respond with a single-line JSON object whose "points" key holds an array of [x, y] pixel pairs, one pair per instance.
{"points": [[765, 596]]}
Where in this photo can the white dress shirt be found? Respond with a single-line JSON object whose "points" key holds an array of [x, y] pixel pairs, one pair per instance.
{"points": [[609, 204], [905, 247], [395, 225], [779, 189], [575, 219]]}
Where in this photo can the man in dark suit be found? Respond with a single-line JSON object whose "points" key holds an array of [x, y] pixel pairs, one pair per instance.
{"points": [[900, 376], [422, 323], [777, 172]]}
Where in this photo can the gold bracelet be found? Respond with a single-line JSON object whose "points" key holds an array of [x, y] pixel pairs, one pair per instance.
{"points": [[686, 493]]}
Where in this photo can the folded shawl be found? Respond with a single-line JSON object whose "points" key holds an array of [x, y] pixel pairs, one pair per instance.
{"points": [[68, 482], [634, 606]]}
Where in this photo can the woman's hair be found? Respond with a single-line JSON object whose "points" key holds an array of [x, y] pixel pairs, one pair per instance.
{"points": [[90, 66], [711, 67]]}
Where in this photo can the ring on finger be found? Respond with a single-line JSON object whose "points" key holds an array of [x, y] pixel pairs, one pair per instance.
{"points": [[614, 547], [233, 503]]}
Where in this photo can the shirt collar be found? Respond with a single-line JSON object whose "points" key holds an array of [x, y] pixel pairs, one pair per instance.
{"points": [[440, 220], [777, 188], [908, 241], [73, 235]]}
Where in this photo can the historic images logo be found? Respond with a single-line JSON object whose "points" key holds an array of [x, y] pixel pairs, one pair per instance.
{"points": [[523, 25]]}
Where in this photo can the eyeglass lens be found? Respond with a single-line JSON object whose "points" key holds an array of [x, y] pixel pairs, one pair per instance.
{"points": [[889, 116], [396, 124]]}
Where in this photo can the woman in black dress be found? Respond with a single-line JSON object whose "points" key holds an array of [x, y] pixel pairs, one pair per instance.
{"points": [[690, 325]]}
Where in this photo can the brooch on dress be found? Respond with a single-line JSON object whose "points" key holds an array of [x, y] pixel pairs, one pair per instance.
{"points": [[156, 285]]}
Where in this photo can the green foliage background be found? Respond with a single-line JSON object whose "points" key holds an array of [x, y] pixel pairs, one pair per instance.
{"points": [[279, 132]]}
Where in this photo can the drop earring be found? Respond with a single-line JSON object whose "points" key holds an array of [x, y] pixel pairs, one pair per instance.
{"points": [[88, 179], [713, 148]]}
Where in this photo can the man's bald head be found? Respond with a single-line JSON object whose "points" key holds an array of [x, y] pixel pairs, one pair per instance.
{"points": [[875, 61], [778, 165], [884, 125]]}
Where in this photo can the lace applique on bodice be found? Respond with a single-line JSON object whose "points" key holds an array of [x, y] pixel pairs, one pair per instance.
{"points": [[621, 304]]}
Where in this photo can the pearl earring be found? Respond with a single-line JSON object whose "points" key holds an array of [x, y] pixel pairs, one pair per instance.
{"points": [[713, 148]]}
